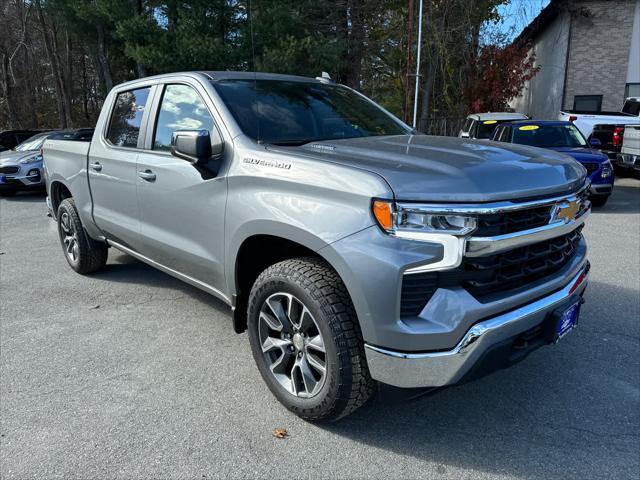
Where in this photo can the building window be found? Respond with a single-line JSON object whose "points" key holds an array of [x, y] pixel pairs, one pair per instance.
{"points": [[587, 103], [632, 90]]}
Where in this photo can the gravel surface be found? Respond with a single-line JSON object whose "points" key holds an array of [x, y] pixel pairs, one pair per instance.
{"points": [[129, 373]]}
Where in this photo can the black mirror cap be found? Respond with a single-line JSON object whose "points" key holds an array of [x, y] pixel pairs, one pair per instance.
{"points": [[196, 146]]}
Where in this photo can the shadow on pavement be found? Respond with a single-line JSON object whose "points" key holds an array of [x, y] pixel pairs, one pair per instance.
{"points": [[124, 268]]}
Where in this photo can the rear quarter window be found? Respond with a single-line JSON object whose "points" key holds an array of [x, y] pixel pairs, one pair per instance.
{"points": [[126, 118]]}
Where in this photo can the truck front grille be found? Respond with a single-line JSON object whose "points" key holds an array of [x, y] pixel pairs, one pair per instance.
{"points": [[512, 221], [492, 275], [484, 277], [591, 167]]}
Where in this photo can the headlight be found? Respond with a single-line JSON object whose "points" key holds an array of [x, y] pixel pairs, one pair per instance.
{"points": [[408, 220], [34, 159]]}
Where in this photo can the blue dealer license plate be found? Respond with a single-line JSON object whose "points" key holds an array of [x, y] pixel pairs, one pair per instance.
{"points": [[567, 321]]}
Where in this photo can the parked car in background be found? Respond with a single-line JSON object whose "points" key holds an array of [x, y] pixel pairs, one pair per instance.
{"points": [[564, 137], [21, 168], [482, 125], [586, 121], [350, 248], [629, 157], [10, 138]]}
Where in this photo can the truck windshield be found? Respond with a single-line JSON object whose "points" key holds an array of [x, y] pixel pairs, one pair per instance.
{"points": [[546, 136], [294, 113]]}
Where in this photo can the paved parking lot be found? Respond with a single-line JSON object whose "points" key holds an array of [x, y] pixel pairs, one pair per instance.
{"points": [[130, 373]]}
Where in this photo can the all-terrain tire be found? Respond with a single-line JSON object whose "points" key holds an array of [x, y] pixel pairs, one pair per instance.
{"points": [[347, 384], [84, 254]]}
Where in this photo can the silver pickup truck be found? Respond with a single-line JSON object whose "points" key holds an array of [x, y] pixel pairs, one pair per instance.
{"points": [[352, 249]]}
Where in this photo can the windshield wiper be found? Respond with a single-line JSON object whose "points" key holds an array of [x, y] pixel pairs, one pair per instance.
{"points": [[292, 143]]}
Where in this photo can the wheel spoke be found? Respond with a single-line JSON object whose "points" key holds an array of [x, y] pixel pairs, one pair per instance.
{"points": [[316, 343], [316, 364], [271, 343], [277, 309], [308, 379], [272, 322]]}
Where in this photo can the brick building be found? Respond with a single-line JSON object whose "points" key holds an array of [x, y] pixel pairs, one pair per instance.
{"points": [[589, 57]]}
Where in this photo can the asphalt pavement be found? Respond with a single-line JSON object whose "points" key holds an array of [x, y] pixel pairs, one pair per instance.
{"points": [[130, 373]]}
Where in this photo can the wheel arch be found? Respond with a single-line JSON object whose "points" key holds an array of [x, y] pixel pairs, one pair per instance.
{"points": [[257, 252]]}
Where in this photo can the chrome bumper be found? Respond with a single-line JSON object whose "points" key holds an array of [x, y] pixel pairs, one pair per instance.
{"points": [[436, 369]]}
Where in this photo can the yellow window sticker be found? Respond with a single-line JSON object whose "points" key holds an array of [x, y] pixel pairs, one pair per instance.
{"points": [[529, 127], [490, 122]]}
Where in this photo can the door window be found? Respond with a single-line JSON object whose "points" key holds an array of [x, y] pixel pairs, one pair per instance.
{"points": [[181, 109], [124, 127]]}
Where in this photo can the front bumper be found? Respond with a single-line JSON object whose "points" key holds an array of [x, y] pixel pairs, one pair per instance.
{"points": [[440, 368], [627, 161], [29, 176]]}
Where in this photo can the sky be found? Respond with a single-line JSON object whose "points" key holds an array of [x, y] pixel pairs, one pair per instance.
{"points": [[517, 14]]}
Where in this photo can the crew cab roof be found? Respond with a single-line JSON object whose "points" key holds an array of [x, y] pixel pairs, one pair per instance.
{"points": [[223, 75]]}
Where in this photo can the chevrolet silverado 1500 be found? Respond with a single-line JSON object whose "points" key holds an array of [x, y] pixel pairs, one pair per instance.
{"points": [[351, 249]]}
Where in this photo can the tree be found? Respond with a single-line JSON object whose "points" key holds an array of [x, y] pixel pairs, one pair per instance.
{"points": [[498, 75]]}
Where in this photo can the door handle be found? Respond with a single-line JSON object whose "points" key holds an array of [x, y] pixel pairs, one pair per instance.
{"points": [[147, 175], [96, 166]]}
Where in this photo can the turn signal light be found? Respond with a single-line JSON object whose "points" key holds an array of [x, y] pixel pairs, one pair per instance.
{"points": [[384, 214]]}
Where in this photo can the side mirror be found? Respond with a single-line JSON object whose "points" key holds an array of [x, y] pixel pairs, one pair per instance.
{"points": [[464, 135], [595, 142], [196, 146]]}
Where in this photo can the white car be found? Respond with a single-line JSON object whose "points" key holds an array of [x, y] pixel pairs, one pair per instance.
{"points": [[482, 125], [585, 121]]}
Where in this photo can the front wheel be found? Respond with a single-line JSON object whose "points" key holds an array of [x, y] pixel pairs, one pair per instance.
{"points": [[83, 254], [306, 340]]}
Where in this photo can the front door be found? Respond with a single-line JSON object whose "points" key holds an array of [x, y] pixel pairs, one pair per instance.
{"points": [[181, 206]]}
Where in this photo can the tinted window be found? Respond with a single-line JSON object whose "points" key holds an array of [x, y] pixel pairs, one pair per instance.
{"points": [[289, 112], [181, 109], [487, 127], [549, 136], [126, 118]]}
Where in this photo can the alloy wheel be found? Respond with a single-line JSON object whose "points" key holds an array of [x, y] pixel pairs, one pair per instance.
{"points": [[292, 345], [69, 237]]}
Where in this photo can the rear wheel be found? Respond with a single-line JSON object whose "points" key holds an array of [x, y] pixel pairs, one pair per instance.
{"points": [[83, 254], [306, 340]]}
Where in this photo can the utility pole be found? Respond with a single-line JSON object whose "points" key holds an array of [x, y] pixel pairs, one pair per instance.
{"points": [[408, 91], [415, 98]]}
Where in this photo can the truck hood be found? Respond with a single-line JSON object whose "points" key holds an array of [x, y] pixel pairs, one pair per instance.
{"points": [[582, 154], [425, 168], [11, 157]]}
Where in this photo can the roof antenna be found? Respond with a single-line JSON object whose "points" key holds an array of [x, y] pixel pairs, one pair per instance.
{"points": [[253, 61]]}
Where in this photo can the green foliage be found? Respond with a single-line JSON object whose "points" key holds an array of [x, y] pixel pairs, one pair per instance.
{"points": [[362, 43]]}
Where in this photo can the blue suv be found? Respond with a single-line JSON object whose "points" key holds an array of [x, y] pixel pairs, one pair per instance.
{"points": [[566, 138]]}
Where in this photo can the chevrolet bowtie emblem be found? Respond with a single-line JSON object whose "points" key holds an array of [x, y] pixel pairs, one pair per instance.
{"points": [[565, 211]]}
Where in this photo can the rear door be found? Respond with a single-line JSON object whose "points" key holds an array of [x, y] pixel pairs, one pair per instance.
{"points": [[182, 206], [112, 167]]}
